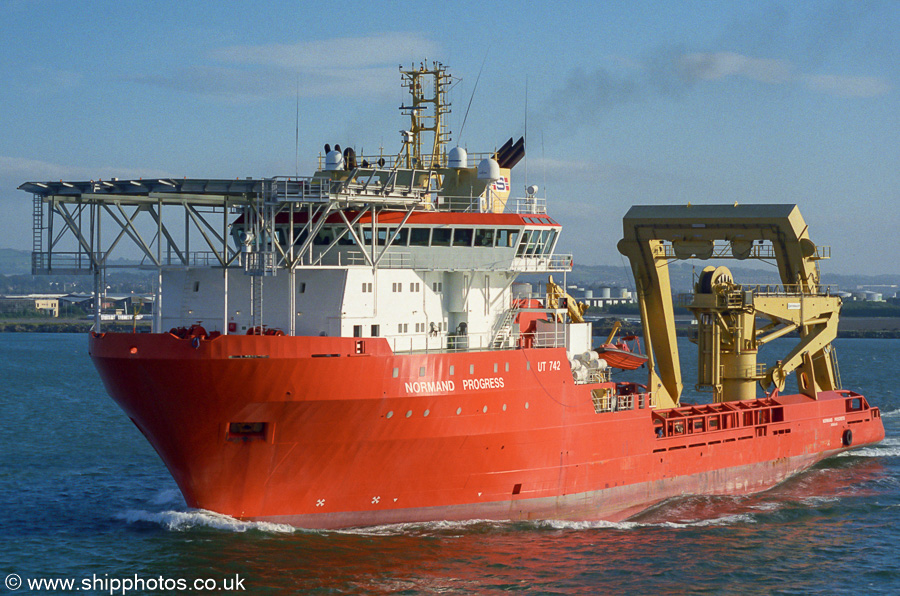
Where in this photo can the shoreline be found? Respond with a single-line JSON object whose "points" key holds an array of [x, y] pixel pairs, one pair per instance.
{"points": [[849, 327]]}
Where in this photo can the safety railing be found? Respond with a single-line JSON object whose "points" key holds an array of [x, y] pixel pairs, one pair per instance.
{"points": [[62, 262], [527, 205], [716, 417], [472, 342], [554, 262], [610, 400]]}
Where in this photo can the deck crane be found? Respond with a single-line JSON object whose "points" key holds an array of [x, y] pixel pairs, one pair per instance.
{"points": [[728, 335]]}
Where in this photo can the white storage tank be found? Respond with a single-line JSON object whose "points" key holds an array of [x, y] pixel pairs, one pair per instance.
{"points": [[521, 290]]}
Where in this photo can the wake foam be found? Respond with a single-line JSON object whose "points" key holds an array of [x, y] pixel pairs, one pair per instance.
{"points": [[889, 447], [474, 526], [180, 521], [876, 451], [724, 520], [423, 527]]}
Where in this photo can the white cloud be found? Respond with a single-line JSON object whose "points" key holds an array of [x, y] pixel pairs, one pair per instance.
{"points": [[349, 67], [718, 65], [30, 170], [333, 54], [848, 86]]}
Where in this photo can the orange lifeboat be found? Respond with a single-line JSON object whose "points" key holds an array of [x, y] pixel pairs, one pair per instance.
{"points": [[622, 354]]}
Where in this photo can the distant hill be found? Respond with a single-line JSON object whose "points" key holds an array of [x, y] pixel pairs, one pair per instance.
{"points": [[15, 262], [683, 275], [18, 262]]}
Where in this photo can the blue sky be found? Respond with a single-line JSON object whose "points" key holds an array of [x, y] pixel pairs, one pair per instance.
{"points": [[627, 102]]}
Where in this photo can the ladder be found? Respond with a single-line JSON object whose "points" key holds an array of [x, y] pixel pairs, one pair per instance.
{"points": [[256, 303], [37, 230], [187, 291], [501, 337]]}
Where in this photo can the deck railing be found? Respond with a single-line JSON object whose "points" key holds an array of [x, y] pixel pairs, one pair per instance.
{"points": [[473, 342]]}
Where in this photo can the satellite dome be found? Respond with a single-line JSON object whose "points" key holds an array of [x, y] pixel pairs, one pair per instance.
{"points": [[334, 161], [488, 169], [458, 158]]}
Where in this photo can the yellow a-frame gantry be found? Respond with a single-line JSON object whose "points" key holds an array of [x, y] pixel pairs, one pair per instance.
{"points": [[726, 313]]}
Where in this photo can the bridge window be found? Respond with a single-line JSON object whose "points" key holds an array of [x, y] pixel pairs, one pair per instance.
{"points": [[525, 244], [419, 236], [300, 235], [325, 236], [539, 239], [463, 236], [507, 238], [441, 236], [484, 238], [401, 238], [347, 239], [548, 248]]}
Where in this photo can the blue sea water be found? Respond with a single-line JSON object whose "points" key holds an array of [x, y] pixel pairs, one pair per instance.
{"points": [[84, 497]]}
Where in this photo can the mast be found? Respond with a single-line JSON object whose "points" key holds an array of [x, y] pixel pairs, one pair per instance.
{"points": [[426, 114]]}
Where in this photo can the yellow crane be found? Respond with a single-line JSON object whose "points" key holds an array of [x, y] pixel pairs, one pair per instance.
{"points": [[726, 312], [556, 294]]}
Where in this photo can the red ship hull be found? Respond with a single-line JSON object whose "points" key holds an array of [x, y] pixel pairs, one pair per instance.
{"points": [[326, 432]]}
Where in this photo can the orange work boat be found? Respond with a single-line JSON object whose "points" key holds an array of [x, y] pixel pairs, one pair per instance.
{"points": [[352, 348], [621, 354]]}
